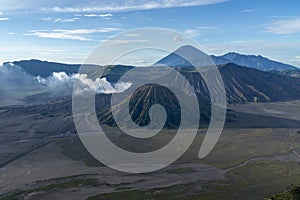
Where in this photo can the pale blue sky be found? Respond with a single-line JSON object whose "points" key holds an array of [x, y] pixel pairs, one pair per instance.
{"points": [[67, 31]]}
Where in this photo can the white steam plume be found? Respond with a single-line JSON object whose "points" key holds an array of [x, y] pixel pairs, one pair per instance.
{"points": [[16, 84], [60, 80]]}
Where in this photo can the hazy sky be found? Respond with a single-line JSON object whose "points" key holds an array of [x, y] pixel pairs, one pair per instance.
{"points": [[67, 31]]}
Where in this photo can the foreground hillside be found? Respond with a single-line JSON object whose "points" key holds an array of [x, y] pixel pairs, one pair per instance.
{"points": [[291, 194]]}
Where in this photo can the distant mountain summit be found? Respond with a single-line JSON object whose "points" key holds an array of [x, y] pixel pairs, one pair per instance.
{"points": [[252, 61], [195, 55], [177, 58]]}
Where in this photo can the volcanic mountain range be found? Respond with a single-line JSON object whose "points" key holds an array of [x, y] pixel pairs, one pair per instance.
{"points": [[246, 79]]}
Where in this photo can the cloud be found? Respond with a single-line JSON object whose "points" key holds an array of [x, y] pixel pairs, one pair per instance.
{"points": [[178, 38], [289, 26], [75, 34], [107, 15], [55, 20], [15, 81], [4, 18], [119, 6], [122, 42], [132, 35], [138, 61], [296, 60], [248, 10], [192, 32], [199, 30], [207, 28], [58, 35]]}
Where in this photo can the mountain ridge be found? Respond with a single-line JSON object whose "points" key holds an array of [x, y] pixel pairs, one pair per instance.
{"points": [[234, 76], [251, 61], [44, 69], [242, 85]]}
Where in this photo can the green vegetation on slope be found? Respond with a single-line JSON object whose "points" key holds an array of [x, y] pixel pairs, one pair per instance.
{"points": [[293, 193]]}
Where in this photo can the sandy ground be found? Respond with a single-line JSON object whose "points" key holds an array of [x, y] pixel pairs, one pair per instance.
{"points": [[38, 167], [48, 163], [32, 159], [287, 110]]}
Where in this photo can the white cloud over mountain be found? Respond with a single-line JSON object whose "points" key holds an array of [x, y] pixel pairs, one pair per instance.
{"points": [[288, 26]]}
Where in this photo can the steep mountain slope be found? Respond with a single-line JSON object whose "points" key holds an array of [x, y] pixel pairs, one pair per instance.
{"points": [[293, 73], [242, 85], [148, 95], [251, 85]]}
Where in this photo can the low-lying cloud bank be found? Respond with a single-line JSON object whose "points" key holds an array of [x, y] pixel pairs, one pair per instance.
{"points": [[17, 84]]}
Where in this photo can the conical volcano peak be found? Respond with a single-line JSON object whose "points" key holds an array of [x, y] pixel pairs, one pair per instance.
{"points": [[186, 56], [188, 47], [189, 50]]}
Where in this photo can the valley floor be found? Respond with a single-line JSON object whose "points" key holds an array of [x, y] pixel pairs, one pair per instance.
{"points": [[247, 163]]}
